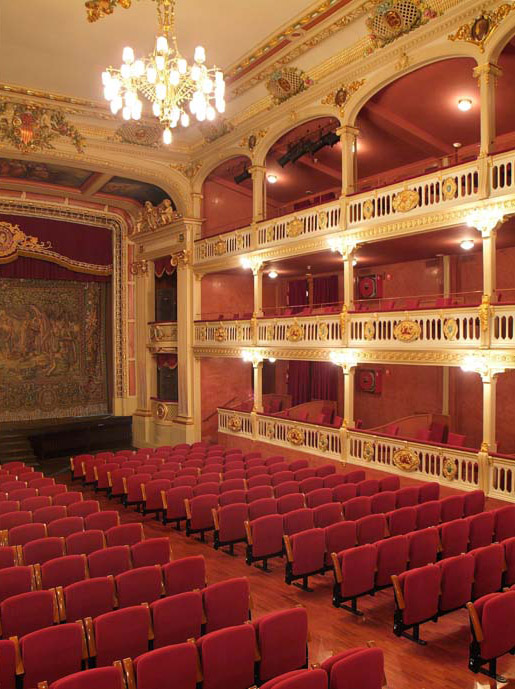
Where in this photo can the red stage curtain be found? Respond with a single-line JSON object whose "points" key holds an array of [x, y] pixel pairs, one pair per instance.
{"points": [[162, 266], [324, 381], [299, 382], [325, 290], [36, 269], [297, 292]]}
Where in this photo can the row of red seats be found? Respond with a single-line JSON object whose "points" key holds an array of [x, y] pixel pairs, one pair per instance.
{"points": [[178, 666], [234, 657], [428, 592]]}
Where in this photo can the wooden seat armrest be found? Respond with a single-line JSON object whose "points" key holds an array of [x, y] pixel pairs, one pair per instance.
{"points": [[143, 492], [288, 548], [216, 520], [118, 665], [109, 482], [337, 568], [42, 685], [20, 670], [163, 498], [90, 636], [124, 483], [4, 537], [200, 676], [150, 626], [129, 673], [187, 507], [18, 555], [85, 653], [37, 577], [248, 532], [475, 623], [59, 593], [399, 597]]}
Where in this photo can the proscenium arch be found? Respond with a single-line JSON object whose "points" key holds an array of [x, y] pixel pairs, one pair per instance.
{"points": [[384, 77]]}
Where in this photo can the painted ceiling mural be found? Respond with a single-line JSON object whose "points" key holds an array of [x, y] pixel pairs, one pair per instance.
{"points": [[132, 189], [50, 173]]}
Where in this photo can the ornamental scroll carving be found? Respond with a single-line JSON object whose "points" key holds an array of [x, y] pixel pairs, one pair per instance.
{"points": [[407, 331], [406, 460], [234, 424], [405, 201], [368, 451], [450, 469], [295, 436], [295, 332], [151, 217], [13, 240], [481, 28]]}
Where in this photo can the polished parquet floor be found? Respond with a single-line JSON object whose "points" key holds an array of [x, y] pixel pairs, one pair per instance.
{"points": [[442, 664]]}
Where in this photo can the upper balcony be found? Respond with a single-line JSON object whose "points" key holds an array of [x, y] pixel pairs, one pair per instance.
{"points": [[409, 200], [162, 336]]}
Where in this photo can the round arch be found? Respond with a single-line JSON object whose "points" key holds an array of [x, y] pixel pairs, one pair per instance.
{"points": [[500, 39], [212, 162]]}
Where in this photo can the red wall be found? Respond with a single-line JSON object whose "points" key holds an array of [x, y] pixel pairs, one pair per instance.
{"points": [[227, 294], [221, 381], [225, 209], [409, 279], [406, 390]]}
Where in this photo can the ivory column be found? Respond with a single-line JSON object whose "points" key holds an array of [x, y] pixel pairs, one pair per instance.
{"points": [[258, 173], [487, 75], [489, 260], [489, 410], [257, 272], [348, 396], [145, 363], [348, 280], [258, 386], [348, 137]]}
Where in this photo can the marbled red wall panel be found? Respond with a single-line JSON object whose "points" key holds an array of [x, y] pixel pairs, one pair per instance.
{"points": [[227, 294], [225, 208], [222, 380]]}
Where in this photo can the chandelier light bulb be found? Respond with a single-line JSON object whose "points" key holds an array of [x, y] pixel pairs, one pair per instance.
{"points": [[175, 77], [125, 71], [126, 113], [108, 92], [156, 109], [106, 78], [200, 54], [116, 105], [162, 44], [160, 91], [128, 55], [195, 73], [160, 62], [185, 119], [182, 65], [207, 86], [137, 107], [220, 106], [130, 98], [167, 136], [210, 113], [151, 75], [139, 68]]}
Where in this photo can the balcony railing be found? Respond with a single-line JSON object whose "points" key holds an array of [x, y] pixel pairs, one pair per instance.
{"points": [[162, 336], [462, 468], [436, 328]]}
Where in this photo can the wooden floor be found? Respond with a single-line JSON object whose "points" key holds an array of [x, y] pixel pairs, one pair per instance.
{"points": [[442, 664]]}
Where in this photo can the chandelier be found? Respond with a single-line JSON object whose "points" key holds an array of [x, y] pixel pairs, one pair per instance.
{"points": [[175, 89]]}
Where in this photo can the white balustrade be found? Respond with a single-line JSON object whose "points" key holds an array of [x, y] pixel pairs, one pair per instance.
{"points": [[319, 331], [432, 462], [502, 179], [503, 326], [440, 189], [223, 332], [227, 244], [300, 436], [235, 422], [288, 228], [435, 328], [501, 478]]}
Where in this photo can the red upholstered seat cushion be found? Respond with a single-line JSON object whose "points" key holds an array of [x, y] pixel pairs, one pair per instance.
{"points": [[358, 567], [392, 558], [89, 598], [228, 658], [168, 668], [51, 653], [113, 638], [423, 547], [497, 615], [186, 574]]}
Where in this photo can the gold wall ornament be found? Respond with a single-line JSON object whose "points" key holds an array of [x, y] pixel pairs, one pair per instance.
{"points": [[343, 319], [202, 251], [202, 333], [30, 128], [368, 451], [368, 209], [407, 331], [295, 436], [406, 200], [13, 240], [220, 334], [406, 460], [251, 141], [270, 234], [391, 19], [294, 332], [323, 441], [220, 247], [151, 218], [369, 330], [323, 331], [189, 170], [270, 430], [97, 9], [211, 131], [234, 424], [449, 188], [450, 328], [286, 83], [139, 268], [180, 258], [156, 333], [341, 95], [322, 220], [270, 330], [450, 469], [240, 241], [161, 411], [139, 135], [484, 313], [479, 30], [295, 227]]}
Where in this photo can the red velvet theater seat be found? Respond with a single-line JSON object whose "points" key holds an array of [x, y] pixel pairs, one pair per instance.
{"points": [[408, 496], [85, 542], [452, 507], [474, 502], [428, 514], [481, 529], [226, 603], [7, 665], [354, 573], [185, 574], [177, 618], [62, 571], [15, 580], [278, 657], [371, 528], [98, 678], [42, 550], [173, 504], [382, 503], [140, 585], [27, 612], [423, 547], [321, 496], [229, 524], [299, 679], [298, 520], [152, 551], [305, 553], [264, 539], [457, 577], [416, 600], [392, 558], [227, 657], [338, 537], [368, 487], [357, 667], [125, 534], [199, 515], [89, 598], [65, 527], [111, 638], [488, 570], [355, 508], [325, 515], [83, 508], [291, 502], [402, 520], [114, 560], [166, 668], [454, 537]]}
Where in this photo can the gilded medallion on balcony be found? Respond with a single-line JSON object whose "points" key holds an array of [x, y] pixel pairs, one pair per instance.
{"points": [[368, 209], [294, 228], [220, 334], [323, 442], [368, 451], [450, 328], [239, 241], [450, 469], [295, 436], [449, 188], [322, 220], [161, 412], [220, 247], [406, 460], [405, 200], [369, 330], [270, 430], [234, 424], [407, 331], [343, 320], [323, 331], [393, 18], [295, 332], [202, 333], [270, 329]]}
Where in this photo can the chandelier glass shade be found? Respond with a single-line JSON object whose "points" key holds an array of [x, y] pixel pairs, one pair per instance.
{"points": [[176, 89]]}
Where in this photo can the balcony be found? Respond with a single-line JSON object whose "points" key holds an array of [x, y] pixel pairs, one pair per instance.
{"points": [[451, 327], [162, 337], [457, 467], [440, 190]]}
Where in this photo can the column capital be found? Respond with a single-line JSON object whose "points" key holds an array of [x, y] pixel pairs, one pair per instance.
{"points": [[486, 71], [255, 169], [347, 130], [486, 220]]}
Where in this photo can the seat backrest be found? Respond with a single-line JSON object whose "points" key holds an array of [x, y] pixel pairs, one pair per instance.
{"points": [[51, 653], [421, 591], [214, 651], [402, 521], [392, 558], [327, 514], [428, 514], [139, 585], [454, 537], [83, 508], [288, 503], [474, 502], [355, 508], [42, 549], [186, 574], [20, 535], [226, 603], [488, 569], [125, 534], [111, 638], [15, 580], [62, 571], [104, 520], [262, 507], [382, 502], [457, 576], [267, 534], [371, 528], [363, 669], [89, 598], [7, 664], [307, 551], [173, 666], [505, 522], [298, 520], [66, 526], [276, 656], [99, 678], [340, 537], [481, 529], [452, 507], [310, 484], [408, 496], [423, 547], [113, 560], [498, 625], [27, 612], [152, 551], [389, 483], [368, 487], [358, 567]]}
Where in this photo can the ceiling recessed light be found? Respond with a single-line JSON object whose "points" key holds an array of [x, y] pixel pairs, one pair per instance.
{"points": [[457, 144], [464, 104], [272, 178], [354, 262], [272, 274], [467, 244], [308, 191], [271, 360]]}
